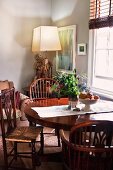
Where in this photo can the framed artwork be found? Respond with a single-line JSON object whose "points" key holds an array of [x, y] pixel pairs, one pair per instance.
{"points": [[65, 59], [82, 49]]}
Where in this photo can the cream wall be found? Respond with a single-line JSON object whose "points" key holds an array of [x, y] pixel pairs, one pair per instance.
{"points": [[17, 20], [69, 13]]}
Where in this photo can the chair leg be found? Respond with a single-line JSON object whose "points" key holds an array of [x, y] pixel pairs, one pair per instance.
{"points": [[58, 137], [42, 141], [35, 157], [15, 150], [6, 164], [5, 156]]}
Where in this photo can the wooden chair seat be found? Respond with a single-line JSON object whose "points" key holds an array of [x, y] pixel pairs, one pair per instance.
{"points": [[24, 134]]}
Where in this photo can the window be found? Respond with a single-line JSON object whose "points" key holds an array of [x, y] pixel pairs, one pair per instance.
{"points": [[65, 59], [101, 61], [101, 14]]}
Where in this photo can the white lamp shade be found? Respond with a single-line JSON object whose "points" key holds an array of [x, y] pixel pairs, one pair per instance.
{"points": [[45, 38]]}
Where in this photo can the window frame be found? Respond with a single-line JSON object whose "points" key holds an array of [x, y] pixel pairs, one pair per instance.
{"points": [[91, 58]]}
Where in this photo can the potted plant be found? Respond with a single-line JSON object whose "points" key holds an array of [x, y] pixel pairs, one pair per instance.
{"points": [[67, 85]]}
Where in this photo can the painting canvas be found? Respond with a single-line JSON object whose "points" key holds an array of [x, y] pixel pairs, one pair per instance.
{"points": [[82, 49], [65, 60]]}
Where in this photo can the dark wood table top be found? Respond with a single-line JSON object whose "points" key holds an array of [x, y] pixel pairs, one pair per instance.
{"points": [[61, 122]]}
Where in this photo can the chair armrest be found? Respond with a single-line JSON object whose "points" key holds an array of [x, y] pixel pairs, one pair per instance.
{"points": [[67, 150], [23, 101], [64, 138], [65, 141], [20, 98], [23, 96]]}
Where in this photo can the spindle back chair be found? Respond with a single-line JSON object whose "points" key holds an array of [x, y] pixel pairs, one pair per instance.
{"points": [[11, 133], [41, 89], [90, 146]]}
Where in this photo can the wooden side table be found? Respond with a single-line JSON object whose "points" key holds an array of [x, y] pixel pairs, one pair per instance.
{"points": [[27, 91]]}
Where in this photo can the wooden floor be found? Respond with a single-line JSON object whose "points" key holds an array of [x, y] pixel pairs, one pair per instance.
{"points": [[44, 166]]}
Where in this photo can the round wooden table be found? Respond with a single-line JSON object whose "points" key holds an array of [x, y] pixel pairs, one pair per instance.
{"points": [[60, 122]]}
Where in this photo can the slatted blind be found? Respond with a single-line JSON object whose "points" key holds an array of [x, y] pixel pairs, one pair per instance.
{"points": [[101, 13]]}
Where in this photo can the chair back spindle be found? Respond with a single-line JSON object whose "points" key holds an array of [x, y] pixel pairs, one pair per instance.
{"points": [[7, 110], [41, 88]]}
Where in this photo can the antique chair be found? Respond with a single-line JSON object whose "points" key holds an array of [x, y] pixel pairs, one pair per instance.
{"points": [[21, 99], [40, 89], [89, 147], [11, 133]]}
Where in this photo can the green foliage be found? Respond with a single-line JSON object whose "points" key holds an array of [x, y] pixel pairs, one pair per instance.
{"points": [[68, 84]]}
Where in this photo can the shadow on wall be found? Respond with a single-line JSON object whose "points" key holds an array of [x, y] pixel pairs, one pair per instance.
{"points": [[27, 71], [25, 29], [23, 38]]}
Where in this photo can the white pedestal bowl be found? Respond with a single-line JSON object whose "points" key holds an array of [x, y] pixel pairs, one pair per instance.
{"points": [[88, 103]]}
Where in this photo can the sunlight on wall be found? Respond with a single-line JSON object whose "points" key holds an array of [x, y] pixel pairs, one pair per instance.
{"points": [[60, 11], [28, 8]]}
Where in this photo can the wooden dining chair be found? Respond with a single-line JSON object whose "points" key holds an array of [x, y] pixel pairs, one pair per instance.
{"points": [[90, 146], [11, 133], [41, 89]]}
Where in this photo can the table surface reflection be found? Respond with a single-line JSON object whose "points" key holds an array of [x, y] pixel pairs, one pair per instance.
{"points": [[61, 122]]}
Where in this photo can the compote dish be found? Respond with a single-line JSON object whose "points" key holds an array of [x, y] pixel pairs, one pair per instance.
{"points": [[88, 99]]}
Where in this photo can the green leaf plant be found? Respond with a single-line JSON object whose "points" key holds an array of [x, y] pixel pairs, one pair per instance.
{"points": [[67, 85]]}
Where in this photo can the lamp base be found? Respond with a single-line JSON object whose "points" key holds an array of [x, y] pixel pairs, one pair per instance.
{"points": [[43, 67]]}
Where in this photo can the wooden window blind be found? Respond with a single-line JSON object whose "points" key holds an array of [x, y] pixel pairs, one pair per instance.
{"points": [[101, 13]]}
